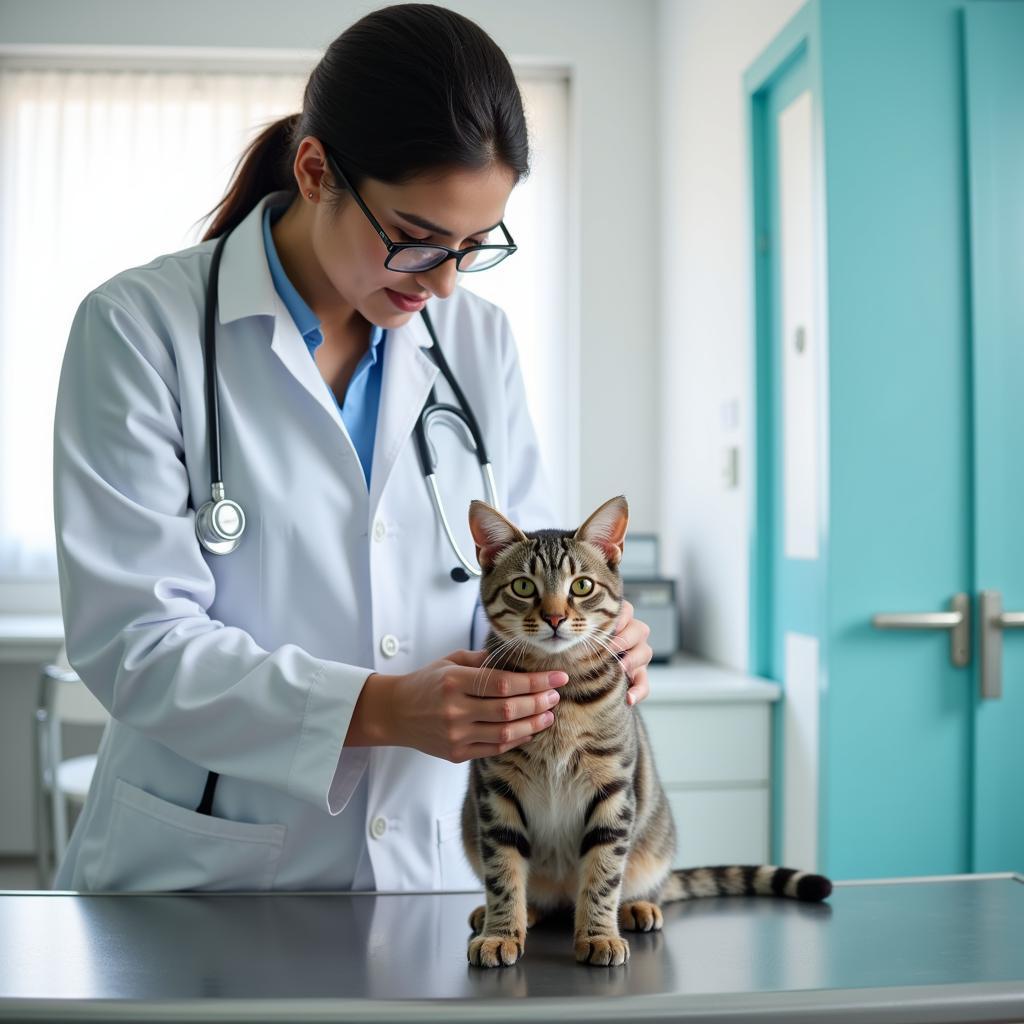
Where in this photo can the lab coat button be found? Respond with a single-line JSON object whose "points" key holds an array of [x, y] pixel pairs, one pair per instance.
{"points": [[389, 645], [378, 828], [379, 530]]}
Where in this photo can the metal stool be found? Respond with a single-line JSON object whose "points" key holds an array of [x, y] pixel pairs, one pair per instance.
{"points": [[63, 698]]}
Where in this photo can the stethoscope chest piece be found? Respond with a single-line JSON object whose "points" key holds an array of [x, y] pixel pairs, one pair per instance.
{"points": [[220, 523]]}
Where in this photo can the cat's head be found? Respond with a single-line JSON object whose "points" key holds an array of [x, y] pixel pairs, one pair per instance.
{"points": [[551, 589]]}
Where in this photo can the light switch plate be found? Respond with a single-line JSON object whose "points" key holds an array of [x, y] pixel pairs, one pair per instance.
{"points": [[731, 466]]}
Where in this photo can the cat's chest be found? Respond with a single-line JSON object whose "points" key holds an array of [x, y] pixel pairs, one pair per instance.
{"points": [[556, 782], [555, 803]]}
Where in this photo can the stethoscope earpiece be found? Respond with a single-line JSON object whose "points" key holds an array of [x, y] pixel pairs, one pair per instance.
{"points": [[459, 574]]}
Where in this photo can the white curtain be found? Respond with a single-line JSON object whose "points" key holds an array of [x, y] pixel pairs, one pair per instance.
{"points": [[532, 285], [104, 170]]}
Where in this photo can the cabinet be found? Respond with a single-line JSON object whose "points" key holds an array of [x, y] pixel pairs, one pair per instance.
{"points": [[710, 729]]}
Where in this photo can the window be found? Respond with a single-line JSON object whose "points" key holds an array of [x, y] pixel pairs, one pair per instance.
{"points": [[104, 169]]}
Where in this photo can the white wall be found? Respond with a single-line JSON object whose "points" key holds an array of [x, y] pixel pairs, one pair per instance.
{"points": [[610, 45], [665, 352], [706, 309]]}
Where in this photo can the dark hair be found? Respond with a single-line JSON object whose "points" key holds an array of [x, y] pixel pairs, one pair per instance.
{"points": [[407, 89]]}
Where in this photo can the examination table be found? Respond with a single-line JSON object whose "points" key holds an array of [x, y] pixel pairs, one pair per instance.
{"points": [[932, 949]]}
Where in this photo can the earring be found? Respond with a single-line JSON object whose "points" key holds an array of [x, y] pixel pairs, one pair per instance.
{"points": [[310, 194]]}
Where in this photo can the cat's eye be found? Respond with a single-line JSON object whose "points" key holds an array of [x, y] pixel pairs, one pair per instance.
{"points": [[522, 587], [582, 586]]}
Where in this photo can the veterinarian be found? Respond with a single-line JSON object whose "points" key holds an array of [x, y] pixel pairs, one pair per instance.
{"points": [[255, 579]]}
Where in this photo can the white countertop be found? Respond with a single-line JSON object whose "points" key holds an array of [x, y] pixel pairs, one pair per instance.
{"points": [[30, 638], [27, 638], [689, 678], [15, 628]]}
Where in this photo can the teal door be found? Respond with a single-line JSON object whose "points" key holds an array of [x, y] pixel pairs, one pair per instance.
{"points": [[907, 359], [995, 115]]}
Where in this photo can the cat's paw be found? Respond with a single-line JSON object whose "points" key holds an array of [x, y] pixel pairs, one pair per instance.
{"points": [[602, 950], [494, 951], [477, 917], [640, 916]]}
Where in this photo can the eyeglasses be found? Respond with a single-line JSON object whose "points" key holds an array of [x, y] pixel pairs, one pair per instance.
{"points": [[415, 257]]}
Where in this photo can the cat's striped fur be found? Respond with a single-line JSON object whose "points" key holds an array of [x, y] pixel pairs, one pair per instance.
{"points": [[577, 817]]}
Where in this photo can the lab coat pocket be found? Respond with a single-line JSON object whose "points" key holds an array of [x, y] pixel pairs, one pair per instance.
{"points": [[154, 845], [456, 872]]}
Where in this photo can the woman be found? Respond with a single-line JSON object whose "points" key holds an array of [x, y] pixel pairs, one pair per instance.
{"points": [[298, 713]]}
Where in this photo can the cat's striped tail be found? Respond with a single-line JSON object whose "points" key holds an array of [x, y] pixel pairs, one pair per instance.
{"points": [[744, 880]]}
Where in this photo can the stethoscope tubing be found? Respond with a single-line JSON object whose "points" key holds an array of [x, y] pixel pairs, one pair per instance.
{"points": [[466, 416], [216, 542], [207, 519]]}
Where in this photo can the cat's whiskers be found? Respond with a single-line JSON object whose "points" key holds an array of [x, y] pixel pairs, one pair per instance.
{"points": [[511, 646], [598, 641], [617, 652], [491, 659]]}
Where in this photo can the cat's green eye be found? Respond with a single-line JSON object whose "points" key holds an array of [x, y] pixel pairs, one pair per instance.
{"points": [[523, 587], [582, 586]]}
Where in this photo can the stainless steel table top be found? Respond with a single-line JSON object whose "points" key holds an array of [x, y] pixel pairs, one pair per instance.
{"points": [[905, 950]]}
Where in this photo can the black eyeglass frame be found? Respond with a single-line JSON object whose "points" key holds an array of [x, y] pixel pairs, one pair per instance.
{"points": [[396, 247]]}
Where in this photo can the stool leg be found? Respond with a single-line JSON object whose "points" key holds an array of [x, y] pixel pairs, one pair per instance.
{"points": [[60, 815], [40, 780]]}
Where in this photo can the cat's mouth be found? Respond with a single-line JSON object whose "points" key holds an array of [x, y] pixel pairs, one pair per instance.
{"points": [[557, 642]]}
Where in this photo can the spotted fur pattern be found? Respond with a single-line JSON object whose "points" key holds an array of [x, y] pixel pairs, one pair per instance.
{"points": [[577, 817]]}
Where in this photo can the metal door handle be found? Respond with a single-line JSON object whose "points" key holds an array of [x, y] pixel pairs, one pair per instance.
{"points": [[993, 621], [957, 620]]}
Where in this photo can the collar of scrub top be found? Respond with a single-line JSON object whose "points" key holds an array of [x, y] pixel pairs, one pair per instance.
{"points": [[245, 285], [246, 289], [360, 404], [458, 417], [305, 319]]}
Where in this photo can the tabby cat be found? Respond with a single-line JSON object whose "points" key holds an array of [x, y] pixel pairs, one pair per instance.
{"points": [[577, 817]]}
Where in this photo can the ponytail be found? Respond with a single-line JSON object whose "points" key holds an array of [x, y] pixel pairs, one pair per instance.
{"points": [[264, 167]]}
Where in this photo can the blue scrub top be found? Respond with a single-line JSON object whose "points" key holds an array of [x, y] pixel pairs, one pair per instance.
{"points": [[362, 398]]}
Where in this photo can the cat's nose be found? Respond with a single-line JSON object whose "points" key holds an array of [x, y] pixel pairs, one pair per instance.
{"points": [[552, 618]]}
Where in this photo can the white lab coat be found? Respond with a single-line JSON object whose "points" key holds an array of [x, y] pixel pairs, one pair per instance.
{"points": [[250, 664]]}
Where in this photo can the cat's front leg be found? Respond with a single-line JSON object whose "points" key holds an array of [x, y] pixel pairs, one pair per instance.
{"points": [[505, 853], [603, 853], [479, 914]]}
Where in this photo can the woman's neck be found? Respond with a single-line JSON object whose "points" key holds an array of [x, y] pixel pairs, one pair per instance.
{"points": [[291, 233]]}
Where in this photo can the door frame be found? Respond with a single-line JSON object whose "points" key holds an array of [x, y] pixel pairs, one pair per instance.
{"points": [[800, 37]]}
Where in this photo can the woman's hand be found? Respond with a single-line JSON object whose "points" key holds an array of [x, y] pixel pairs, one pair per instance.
{"points": [[455, 709], [631, 640]]}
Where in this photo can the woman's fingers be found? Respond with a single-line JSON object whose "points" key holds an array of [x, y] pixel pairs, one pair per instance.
{"points": [[639, 688], [510, 732], [634, 633], [493, 749], [468, 659], [511, 709], [625, 616], [499, 683]]}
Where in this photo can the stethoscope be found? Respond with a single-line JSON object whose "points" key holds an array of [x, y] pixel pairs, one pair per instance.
{"points": [[220, 522]]}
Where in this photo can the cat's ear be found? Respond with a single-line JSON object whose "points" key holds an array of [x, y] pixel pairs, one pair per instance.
{"points": [[491, 531], [607, 528]]}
